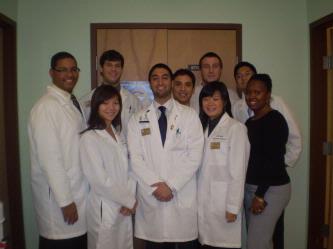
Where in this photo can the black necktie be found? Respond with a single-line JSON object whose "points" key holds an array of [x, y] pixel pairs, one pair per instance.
{"points": [[162, 123], [76, 103]]}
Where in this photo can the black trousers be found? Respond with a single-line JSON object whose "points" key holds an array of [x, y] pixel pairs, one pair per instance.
{"points": [[72, 243], [278, 235], [193, 244]]}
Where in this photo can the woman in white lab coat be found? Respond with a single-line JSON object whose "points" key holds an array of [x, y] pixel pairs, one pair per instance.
{"points": [[223, 170], [104, 160]]}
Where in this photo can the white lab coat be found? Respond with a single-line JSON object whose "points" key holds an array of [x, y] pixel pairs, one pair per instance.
{"points": [[176, 164], [241, 112], [56, 176], [105, 165], [194, 102], [131, 104], [221, 183]]}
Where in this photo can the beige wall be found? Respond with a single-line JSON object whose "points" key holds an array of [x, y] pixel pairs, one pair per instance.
{"points": [[318, 9], [9, 8]]}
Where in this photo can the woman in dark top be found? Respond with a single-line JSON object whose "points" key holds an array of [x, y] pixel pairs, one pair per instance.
{"points": [[267, 190]]}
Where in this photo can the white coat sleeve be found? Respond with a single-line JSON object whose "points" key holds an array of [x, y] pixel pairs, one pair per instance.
{"points": [[240, 111], [294, 143], [45, 135], [102, 183], [191, 159], [238, 156], [235, 109], [144, 176]]}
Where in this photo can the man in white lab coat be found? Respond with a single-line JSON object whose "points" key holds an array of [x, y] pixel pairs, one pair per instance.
{"points": [[242, 73], [211, 66], [165, 144], [111, 68], [58, 186]]}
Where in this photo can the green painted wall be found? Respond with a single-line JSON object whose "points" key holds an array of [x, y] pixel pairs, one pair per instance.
{"points": [[318, 9], [9, 8], [275, 38]]}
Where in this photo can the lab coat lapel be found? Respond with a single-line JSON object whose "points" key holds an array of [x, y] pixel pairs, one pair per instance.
{"points": [[220, 124], [106, 136], [155, 129], [67, 103]]}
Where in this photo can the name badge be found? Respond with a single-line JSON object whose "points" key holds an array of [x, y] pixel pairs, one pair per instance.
{"points": [[145, 131], [215, 145]]}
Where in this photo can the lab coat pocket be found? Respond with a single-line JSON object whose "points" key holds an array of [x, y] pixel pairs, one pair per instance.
{"points": [[110, 214], [186, 198], [218, 196], [147, 201], [178, 139], [218, 152]]}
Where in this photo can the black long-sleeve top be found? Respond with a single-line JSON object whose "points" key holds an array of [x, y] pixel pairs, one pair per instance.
{"points": [[268, 136]]}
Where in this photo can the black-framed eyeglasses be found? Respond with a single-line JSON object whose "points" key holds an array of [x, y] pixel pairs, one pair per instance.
{"points": [[67, 70]]}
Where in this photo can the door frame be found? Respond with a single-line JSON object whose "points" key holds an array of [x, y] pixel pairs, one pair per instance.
{"points": [[318, 132], [11, 133], [171, 26]]}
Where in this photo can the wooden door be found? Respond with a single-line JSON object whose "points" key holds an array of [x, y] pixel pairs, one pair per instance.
{"points": [[320, 225], [141, 48], [178, 45], [185, 48]]}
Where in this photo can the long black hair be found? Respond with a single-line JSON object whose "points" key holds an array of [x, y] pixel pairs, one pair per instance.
{"points": [[102, 94], [208, 91]]}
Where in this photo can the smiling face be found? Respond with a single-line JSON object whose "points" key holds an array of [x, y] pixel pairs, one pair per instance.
{"points": [[183, 89], [257, 96], [109, 109], [65, 74], [213, 106], [211, 69], [111, 72], [160, 83], [242, 77]]}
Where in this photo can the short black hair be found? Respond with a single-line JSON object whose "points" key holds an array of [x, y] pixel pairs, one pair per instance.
{"points": [[111, 55], [211, 54], [183, 71], [264, 78], [159, 65], [244, 64], [101, 94], [208, 91], [59, 56]]}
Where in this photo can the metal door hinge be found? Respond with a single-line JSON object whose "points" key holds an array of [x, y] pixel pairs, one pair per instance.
{"points": [[327, 148], [327, 62], [325, 230]]}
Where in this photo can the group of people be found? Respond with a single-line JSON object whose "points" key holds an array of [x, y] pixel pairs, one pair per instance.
{"points": [[180, 171]]}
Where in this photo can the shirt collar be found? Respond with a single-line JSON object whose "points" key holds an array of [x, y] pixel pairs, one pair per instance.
{"points": [[168, 105], [118, 86]]}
